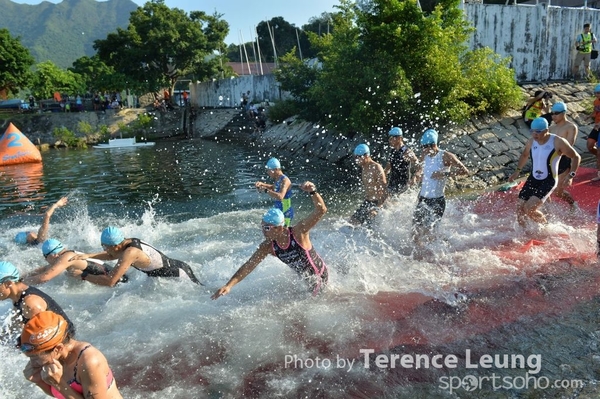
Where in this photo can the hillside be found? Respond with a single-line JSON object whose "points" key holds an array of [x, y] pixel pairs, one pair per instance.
{"points": [[66, 31]]}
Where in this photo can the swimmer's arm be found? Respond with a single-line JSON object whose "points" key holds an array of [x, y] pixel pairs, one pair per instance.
{"points": [[45, 227], [114, 276], [565, 148], [98, 255], [381, 185], [388, 168], [94, 369], [522, 161], [44, 274], [262, 185], [457, 167], [263, 250], [32, 374], [279, 195], [319, 209]]}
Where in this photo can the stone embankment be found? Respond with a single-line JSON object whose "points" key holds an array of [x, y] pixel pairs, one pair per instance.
{"points": [[489, 146]]}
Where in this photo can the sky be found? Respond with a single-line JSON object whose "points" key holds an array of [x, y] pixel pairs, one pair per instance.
{"points": [[243, 16]]}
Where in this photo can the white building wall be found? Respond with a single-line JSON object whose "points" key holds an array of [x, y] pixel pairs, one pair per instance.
{"points": [[540, 39], [228, 92]]}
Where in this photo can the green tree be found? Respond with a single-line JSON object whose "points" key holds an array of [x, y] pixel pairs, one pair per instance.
{"points": [[161, 44], [387, 63], [48, 78], [15, 63], [97, 76]]}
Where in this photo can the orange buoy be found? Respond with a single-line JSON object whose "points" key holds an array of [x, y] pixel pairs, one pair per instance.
{"points": [[15, 148]]}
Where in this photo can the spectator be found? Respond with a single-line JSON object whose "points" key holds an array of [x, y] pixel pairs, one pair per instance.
{"points": [[538, 105], [583, 43]]}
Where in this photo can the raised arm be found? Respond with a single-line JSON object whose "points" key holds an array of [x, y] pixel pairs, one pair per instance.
{"points": [[263, 250], [319, 209], [42, 234]]}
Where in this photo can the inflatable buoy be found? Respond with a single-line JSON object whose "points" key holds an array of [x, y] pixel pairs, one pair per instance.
{"points": [[15, 148]]}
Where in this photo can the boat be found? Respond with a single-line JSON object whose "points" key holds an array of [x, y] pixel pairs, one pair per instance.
{"points": [[124, 143]]}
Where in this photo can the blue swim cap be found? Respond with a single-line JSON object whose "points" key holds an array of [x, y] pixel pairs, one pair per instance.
{"points": [[395, 131], [559, 107], [21, 238], [111, 236], [273, 163], [274, 217], [430, 136], [51, 246], [362, 150], [597, 88], [539, 124], [8, 271]]}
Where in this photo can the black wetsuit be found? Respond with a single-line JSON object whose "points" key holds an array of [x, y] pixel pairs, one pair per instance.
{"points": [[399, 171], [307, 263], [50, 305], [160, 264]]}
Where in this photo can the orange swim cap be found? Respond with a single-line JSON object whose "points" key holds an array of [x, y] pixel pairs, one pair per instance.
{"points": [[43, 332]]}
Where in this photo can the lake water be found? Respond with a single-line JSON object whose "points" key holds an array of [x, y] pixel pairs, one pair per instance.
{"points": [[165, 338]]}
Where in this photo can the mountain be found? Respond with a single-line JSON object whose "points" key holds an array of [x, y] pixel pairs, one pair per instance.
{"points": [[65, 31]]}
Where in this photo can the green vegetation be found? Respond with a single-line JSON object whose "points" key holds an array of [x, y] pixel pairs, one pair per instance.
{"points": [[282, 110], [140, 126], [68, 138], [389, 63], [15, 62], [161, 44], [49, 78]]}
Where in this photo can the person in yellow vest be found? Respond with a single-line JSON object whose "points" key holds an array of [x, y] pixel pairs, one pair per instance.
{"points": [[536, 106], [584, 44]]}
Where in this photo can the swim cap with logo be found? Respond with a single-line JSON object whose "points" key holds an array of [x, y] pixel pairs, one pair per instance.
{"points": [[111, 236], [43, 332], [274, 217]]}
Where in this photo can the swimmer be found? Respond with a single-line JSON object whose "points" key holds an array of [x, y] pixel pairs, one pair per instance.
{"points": [[290, 244], [281, 191], [438, 165], [567, 130], [33, 238], [62, 366], [546, 150], [131, 252], [27, 301], [60, 259], [399, 165], [374, 183]]}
